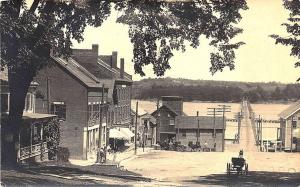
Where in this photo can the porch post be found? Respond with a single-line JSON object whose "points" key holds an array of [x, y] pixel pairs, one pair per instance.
{"points": [[42, 148], [31, 138]]}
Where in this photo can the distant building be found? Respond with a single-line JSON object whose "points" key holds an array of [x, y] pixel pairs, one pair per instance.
{"points": [[290, 127], [146, 127], [173, 123], [33, 144], [75, 95]]}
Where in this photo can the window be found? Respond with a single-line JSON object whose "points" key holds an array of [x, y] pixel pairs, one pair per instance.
{"points": [[59, 109], [4, 102], [172, 122], [28, 102], [294, 124], [184, 134]]}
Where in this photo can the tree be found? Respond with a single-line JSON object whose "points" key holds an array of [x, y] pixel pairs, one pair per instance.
{"points": [[156, 29], [293, 28], [28, 34]]}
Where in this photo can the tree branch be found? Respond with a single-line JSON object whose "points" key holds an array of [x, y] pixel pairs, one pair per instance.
{"points": [[34, 6]]}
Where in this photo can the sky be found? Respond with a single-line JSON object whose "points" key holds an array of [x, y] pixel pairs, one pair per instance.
{"points": [[260, 60]]}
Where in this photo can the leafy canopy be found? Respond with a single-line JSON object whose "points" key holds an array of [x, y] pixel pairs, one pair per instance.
{"points": [[156, 29], [293, 28]]}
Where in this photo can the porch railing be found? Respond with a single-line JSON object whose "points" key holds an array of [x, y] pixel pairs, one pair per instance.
{"points": [[31, 151]]}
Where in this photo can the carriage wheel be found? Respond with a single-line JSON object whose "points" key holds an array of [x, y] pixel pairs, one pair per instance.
{"points": [[246, 169]]}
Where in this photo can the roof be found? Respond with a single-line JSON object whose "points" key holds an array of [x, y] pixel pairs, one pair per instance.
{"points": [[32, 116], [164, 107], [37, 115], [79, 72], [141, 111], [291, 110], [205, 122], [171, 98], [115, 71]]}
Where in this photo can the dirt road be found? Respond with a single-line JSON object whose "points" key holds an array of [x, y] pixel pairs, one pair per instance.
{"points": [[209, 168]]}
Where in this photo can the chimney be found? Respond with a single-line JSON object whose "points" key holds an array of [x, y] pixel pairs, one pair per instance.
{"points": [[174, 102], [122, 68], [95, 48], [114, 59]]}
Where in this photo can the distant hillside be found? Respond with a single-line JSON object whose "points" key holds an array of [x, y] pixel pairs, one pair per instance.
{"points": [[208, 90]]}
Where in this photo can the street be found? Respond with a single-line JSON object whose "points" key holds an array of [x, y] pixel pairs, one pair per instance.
{"points": [[209, 168]]}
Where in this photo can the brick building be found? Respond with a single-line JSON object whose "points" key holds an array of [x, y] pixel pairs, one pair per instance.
{"points": [[173, 123], [72, 93], [73, 90], [118, 82]]}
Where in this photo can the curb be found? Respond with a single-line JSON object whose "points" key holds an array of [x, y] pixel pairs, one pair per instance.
{"points": [[131, 177]]}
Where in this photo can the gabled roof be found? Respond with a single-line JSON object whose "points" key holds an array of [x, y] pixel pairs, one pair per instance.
{"points": [[291, 110], [141, 111], [205, 122], [164, 107], [115, 71], [79, 72]]}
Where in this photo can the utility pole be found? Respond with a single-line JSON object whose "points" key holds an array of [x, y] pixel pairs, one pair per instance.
{"points": [[198, 132], [135, 129], [48, 95], [225, 108], [157, 122], [100, 125], [239, 126], [217, 112]]}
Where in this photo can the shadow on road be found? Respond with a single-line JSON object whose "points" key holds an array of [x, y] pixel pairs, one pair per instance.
{"points": [[66, 175], [254, 178]]}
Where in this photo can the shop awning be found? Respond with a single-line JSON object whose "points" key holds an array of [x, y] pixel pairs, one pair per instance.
{"points": [[127, 132], [114, 133]]}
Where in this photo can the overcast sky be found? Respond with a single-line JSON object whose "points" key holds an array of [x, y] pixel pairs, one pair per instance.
{"points": [[259, 60]]}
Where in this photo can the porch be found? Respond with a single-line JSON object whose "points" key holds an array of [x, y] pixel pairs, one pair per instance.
{"points": [[32, 136]]}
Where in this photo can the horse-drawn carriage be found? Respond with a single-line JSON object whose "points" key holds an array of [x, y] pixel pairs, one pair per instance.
{"points": [[238, 165]]}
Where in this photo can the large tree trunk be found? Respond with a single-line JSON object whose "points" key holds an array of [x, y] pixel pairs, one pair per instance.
{"points": [[19, 82]]}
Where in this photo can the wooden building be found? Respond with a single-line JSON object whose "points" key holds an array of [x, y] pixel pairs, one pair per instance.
{"points": [[32, 139], [290, 127], [173, 123], [146, 127]]}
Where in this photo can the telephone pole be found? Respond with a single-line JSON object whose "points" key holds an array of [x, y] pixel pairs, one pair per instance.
{"points": [[214, 112], [100, 125], [225, 108], [135, 129], [157, 122], [198, 132]]}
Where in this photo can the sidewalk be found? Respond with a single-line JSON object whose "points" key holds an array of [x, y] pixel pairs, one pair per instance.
{"points": [[120, 157]]}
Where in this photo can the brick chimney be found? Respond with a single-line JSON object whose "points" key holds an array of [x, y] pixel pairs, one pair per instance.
{"points": [[122, 68], [95, 48], [114, 59], [86, 56], [173, 102]]}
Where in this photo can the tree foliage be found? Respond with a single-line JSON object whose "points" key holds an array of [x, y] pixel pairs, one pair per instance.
{"points": [[157, 28], [293, 29], [215, 90], [52, 135]]}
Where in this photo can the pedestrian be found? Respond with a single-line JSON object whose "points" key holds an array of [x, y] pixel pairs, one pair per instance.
{"points": [[101, 155]]}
